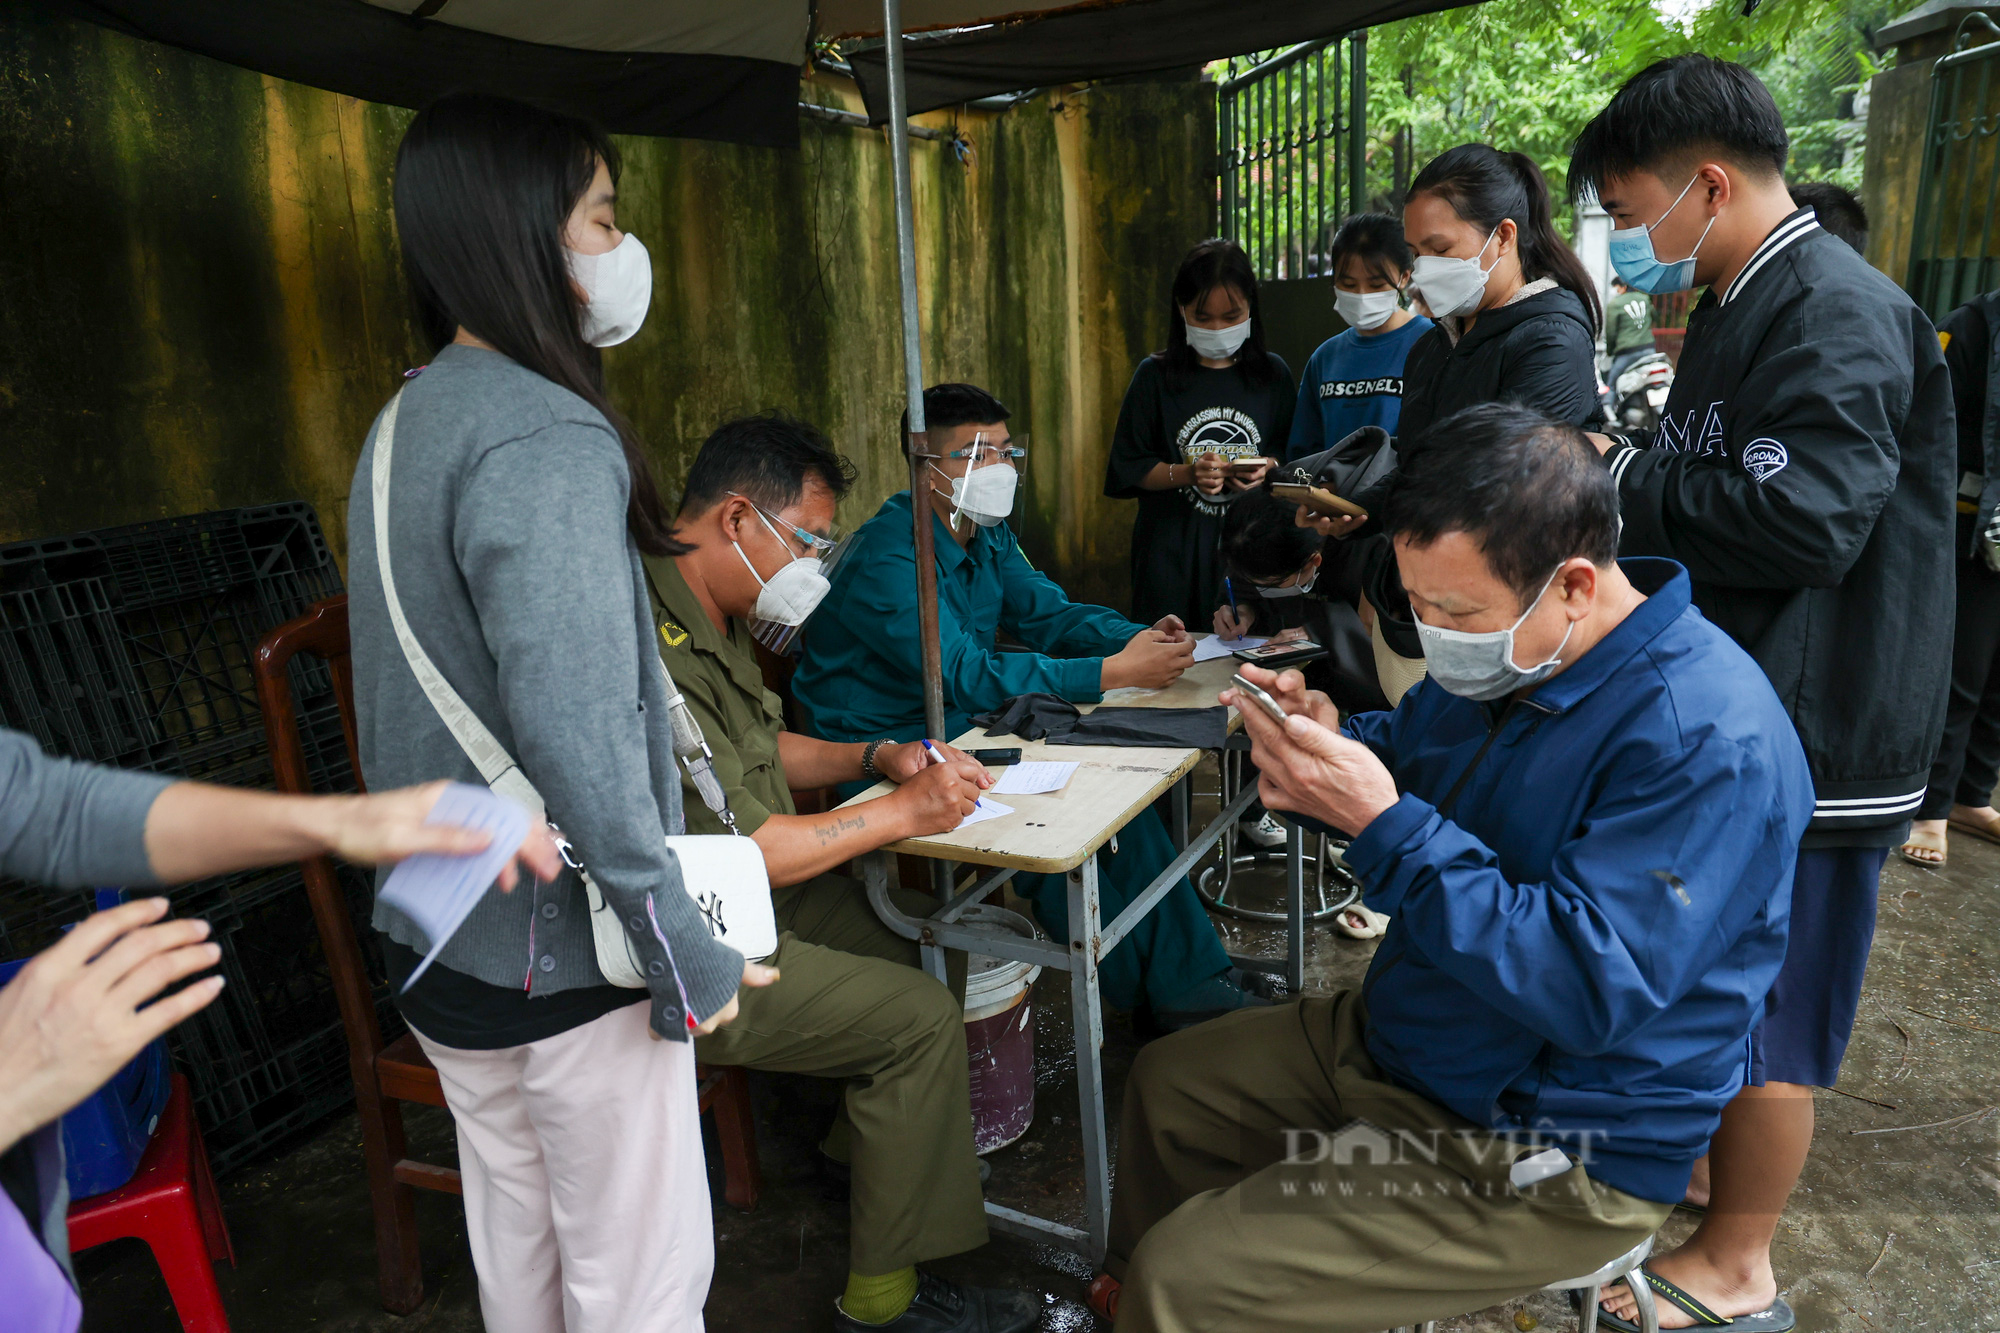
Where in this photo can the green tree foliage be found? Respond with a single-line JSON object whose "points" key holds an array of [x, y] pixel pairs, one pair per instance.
{"points": [[1527, 75]]}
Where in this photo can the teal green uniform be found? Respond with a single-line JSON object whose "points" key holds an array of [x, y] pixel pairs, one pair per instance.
{"points": [[860, 677]]}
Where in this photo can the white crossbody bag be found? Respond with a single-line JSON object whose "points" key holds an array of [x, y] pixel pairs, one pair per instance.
{"points": [[724, 873]]}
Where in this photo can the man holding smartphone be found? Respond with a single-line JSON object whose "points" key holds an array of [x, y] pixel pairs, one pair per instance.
{"points": [[1583, 825]]}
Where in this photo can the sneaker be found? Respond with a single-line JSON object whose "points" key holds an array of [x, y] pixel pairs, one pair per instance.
{"points": [[947, 1307], [1267, 832], [1220, 994]]}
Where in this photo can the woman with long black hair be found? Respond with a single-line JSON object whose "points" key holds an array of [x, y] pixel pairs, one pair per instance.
{"points": [[1516, 313], [1203, 421], [512, 516]]}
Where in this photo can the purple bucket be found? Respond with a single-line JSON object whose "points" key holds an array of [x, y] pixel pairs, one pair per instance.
{"points": [[1000, 1037]]}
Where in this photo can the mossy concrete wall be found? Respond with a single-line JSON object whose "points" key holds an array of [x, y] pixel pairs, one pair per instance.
{"points": [[201, 302]]}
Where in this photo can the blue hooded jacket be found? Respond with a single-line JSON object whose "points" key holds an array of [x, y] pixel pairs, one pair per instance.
{"points": [[1582, 942]]}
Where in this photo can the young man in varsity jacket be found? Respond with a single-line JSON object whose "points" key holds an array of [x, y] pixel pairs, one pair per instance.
{"points": [[1804, 473]]}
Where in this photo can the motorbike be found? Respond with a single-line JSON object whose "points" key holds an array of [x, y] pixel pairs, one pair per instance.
{"points": [[1641, 391]]}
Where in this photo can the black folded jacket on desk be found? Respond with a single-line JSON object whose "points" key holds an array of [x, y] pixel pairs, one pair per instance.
{"points": [[1044, 717]]}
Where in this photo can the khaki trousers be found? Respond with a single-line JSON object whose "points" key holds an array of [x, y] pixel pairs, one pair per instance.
{"points": [[852, 1003], [1269, 1178], [586, 1196]]}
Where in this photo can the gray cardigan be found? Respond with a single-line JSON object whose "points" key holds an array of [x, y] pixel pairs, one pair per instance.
{"points": [[507, 527]]}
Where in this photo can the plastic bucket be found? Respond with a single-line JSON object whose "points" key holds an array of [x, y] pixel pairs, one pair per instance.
{"points": [[1000, 1036]]}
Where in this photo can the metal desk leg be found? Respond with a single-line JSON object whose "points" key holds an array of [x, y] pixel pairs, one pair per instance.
{"points": [[1087, 1018], [1183, 793], [1295, 908]]}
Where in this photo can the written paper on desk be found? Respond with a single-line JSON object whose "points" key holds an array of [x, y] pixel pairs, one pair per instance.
{"points": [[985, 810], [1035, 777], [438, 892], [1208, 647]]}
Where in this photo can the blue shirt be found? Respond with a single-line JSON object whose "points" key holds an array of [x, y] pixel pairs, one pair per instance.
{"points": [[860, 673], [1353, 380], [1581, 944]]}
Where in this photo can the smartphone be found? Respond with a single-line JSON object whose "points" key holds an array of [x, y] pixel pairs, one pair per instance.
{"points": [[1270, 704], [1001, 757], [1317, 499], [1248, 464]]}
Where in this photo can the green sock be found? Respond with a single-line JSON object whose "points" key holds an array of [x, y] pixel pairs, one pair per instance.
{"points": [[877, 1300]]}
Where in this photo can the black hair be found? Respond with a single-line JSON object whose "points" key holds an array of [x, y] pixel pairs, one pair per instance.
{"points": [[1838, 210], [1617, 281], [1260, 541], [1376, 239], [948, 405], [1673, 113], [1528, 488], [1485, 187], [766, 459], [1214, 263], [484, 188]]}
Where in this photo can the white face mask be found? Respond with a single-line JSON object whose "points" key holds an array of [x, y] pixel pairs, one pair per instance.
{"points": [[791, 594], [1218, 344], [1365, 310], [1299, 589], [1450, 286], [985, 493], [617, 288], [1481, 666]]}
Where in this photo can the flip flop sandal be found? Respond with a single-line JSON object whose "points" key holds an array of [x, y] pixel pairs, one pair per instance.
{"points": [[1373, 923], [1776, 1317], [1981, 831], [1928, 842]]}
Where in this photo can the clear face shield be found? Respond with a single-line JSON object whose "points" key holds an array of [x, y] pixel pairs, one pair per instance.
{"points": [[794, 592], [993, 466]]}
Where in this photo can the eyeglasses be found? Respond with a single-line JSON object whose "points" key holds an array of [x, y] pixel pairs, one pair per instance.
{"points": [[815, 544], [981, 450]]}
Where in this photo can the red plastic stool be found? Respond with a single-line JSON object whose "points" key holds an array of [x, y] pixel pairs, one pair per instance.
{"points": [[171, 1204]]}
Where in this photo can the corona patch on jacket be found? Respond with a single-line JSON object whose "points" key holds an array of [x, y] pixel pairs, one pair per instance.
{"points": [[1764, 458]]}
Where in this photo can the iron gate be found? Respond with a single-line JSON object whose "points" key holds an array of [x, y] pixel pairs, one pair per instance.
{"points": [[1954, 247], [1290, 132]]}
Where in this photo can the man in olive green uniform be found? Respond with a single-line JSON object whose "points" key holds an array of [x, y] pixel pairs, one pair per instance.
{"points": [[851, 1002]]}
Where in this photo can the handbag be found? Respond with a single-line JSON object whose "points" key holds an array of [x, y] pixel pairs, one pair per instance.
{"points": [[735, 894]]}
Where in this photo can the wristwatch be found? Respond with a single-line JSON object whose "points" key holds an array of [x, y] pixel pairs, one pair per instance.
{"points": [[868, 769]]}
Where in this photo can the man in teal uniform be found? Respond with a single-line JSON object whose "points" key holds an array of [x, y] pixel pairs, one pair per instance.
{"points": [[861, 678]]}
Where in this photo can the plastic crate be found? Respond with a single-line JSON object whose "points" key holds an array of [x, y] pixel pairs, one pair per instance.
{"points": [[132, 646]]}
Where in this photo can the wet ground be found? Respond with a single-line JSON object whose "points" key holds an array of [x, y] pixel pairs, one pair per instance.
{"points": [[1896, 1224]]}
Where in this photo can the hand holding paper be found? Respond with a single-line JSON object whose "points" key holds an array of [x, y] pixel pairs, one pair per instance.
{"points": [[437, 892]]}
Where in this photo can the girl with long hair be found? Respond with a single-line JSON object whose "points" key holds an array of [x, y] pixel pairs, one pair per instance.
{"points": [[1203, 421], [513, 512]]}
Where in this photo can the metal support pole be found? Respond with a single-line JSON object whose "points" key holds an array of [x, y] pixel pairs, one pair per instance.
{"points": [[913, 371], [1357, 122], [1087, 1017], [1295, 908]]}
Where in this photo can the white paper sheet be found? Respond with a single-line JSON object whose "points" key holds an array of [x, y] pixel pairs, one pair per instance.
{"points": [[1208, 647], [1034, 777], [985, 810], [438, 892]]}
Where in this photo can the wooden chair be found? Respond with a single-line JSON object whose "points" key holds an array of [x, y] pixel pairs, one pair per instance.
{"points": [[386, 1074]]}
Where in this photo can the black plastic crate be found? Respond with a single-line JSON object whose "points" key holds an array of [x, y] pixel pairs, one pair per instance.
{"points": [[132, 646]]}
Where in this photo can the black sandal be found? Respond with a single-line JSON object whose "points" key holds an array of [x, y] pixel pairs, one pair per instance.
{"points": [[1776, 1317]]}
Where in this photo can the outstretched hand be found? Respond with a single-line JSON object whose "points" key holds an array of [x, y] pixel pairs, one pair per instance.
{"points": [[81, 1009], [386, 827], [1306, 766]]}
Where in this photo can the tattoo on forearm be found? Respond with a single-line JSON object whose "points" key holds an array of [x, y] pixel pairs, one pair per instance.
{"points": [[830, 832]]}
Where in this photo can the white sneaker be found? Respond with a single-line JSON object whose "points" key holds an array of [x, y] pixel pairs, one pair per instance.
{"points": [[1266, 832]]}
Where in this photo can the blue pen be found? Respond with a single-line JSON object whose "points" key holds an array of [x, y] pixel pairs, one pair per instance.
{"points": [[932, 751], [1229, 591]]}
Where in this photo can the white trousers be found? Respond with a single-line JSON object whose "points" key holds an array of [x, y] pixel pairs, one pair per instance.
{"points": [[586, 1197]]}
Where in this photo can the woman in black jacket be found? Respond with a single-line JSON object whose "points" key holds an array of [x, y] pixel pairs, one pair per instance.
{"points": [[1516, 314]]}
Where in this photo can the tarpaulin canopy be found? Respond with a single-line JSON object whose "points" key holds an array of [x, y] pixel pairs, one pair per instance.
{"points": [[703, 69], [1085, 42]]}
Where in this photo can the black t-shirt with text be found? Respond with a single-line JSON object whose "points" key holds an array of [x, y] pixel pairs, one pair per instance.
{"points": [[1176, 562]]}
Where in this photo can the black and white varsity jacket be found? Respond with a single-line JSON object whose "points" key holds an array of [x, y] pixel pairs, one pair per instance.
{"points": [[1804, 471]]}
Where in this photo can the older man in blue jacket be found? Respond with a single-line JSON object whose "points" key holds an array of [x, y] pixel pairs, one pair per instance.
{"points": [[1584, 823]]}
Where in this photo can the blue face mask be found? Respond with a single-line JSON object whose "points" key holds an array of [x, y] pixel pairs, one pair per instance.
{"points": [[1632, 256]]}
